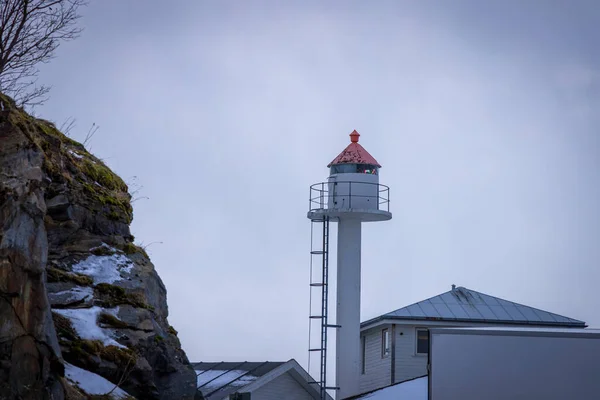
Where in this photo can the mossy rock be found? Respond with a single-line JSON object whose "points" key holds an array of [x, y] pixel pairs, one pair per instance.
{"points": [[100, 173], [112, 296], [117, 203], [58, 275], [50, 129], [64, 327], [82, 350], [102, 251], [105, 190], [118, 355], [172, 331], [130, 248], [111, 320]]}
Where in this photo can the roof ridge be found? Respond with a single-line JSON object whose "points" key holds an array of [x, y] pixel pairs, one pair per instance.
{"points": [[442, 307]]}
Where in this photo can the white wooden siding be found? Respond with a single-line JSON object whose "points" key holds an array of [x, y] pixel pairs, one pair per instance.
{"points": [[282, 387], [408, 364], [377, 370]]}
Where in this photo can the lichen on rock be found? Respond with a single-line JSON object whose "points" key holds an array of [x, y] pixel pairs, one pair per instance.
{"points": [[75, 290]]}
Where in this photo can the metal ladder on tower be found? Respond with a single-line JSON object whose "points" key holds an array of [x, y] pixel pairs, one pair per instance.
{"points": [[321, 252]]}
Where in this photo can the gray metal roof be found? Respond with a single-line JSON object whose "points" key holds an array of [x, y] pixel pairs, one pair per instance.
{"points": [[217, 380], [466, 305]]}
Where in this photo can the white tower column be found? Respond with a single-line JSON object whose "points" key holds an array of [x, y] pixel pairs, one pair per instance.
{"points": [[348, 307], [353, 195]]}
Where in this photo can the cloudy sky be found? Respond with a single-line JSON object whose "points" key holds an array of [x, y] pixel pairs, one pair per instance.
{"points": [[485, 118]]}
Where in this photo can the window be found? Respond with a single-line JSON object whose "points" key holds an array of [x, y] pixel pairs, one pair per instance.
{"points": [[343, 169], [422, 341], [353, 169], [363, 345], [385, 343], [366, 169]]}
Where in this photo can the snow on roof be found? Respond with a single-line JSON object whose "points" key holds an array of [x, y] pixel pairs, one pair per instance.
{"points": [[84, 323], [354, 154], [462, 304], [217, 380], [415, 389], [104, 269], [93, 384]]}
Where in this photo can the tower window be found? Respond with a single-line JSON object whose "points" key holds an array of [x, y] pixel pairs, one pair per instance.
{"points": [[354, 169], [366, 169], [385, 343], [343, 169]]}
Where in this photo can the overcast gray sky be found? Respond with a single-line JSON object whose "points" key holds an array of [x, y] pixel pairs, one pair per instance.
{"points": [[484, 115]]}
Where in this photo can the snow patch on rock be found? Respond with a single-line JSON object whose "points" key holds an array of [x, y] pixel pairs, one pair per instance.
{"points": [[93, 384], [104, 269], [84, 321]]}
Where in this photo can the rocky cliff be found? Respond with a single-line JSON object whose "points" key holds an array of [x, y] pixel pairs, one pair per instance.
{"points": [[83, 313]]}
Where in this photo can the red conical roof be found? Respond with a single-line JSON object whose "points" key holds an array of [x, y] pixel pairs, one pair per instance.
{"points": [[354, 154]]}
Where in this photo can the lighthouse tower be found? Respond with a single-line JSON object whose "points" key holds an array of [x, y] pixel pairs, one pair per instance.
{"points": [[352, 195]]}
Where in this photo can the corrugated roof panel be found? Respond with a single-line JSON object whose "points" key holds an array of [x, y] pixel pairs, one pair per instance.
{"points": [[500, 313], [443, 310], [402, 312], [560, 318], [486, 312], [529, 314], [514, 313], [449, 298], [428, 309], [415, 311], [489, 300], [457, 312], [545, 315], [472, 311], [441, 299]]}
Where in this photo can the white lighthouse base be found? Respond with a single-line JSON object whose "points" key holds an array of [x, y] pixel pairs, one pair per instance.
{"points": [[348, 307]]}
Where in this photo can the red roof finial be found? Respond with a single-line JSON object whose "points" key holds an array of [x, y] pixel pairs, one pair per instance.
{"points": [[354, 153]]}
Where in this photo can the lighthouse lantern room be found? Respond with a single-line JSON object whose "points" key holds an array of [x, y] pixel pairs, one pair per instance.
{"points": [[351, 195]]}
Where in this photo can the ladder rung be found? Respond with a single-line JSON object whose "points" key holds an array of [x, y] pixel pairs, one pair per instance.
{"points": [[332, 387], [315, 349], [317, 284], [317, 252], [333, 326], [316, 316]]}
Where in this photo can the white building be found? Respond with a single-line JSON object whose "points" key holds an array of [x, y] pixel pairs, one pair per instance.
{"points": [[498, 363], [394, 346], [255, 381]]}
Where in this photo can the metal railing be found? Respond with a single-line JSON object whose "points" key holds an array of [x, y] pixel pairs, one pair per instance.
{"points": [[321, 197]]}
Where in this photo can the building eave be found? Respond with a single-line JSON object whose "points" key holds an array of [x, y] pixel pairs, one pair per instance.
{"points": [[420, 320]]}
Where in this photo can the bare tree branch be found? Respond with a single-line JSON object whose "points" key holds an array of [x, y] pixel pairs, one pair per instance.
{"points": [[30, 32]]}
